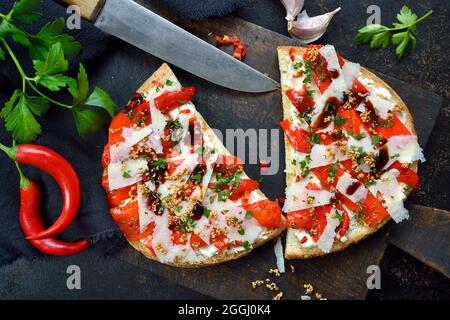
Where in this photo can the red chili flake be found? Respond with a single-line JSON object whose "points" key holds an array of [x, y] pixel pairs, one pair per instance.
{"points": [[240, 50], [291, 54], [304, 239], [220, 41], [297, 178], [158, 84]]}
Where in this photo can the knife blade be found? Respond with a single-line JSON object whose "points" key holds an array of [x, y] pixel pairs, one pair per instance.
{"points": [[135, 24]]}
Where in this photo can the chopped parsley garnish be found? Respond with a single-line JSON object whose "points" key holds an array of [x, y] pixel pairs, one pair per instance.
{"points": [[298, 65], [306, 115], [397, 155], [376, 139], [173, 124], [160, 163], [323, 77], [304, 166], [126, 175], [188, 224], [360, 136], [308, 71], [339, 121], [322, 61], [386, 124], [169, 82], [248, 215], [206, 212], [332, 171], [131, 114], [197, 177], [246, 244], [223, 195], [360, 215], [310, 93], [314, 138], [241, 231], [339, 216]]}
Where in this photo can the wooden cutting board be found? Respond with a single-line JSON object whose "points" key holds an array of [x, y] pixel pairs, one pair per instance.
{"points": [[338, 276]]}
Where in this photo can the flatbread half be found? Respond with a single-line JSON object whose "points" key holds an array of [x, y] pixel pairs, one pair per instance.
{"points": [[161, 81], [294, 249]]}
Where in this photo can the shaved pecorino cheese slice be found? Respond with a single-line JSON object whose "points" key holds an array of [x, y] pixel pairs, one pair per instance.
{"points": [[326, 239]]}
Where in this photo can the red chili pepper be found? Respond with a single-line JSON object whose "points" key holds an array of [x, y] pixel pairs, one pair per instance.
{"points": [[31, 223], [52, 163]]}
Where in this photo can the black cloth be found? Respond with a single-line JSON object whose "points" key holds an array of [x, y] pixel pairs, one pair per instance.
{"points": [[59, 133]]}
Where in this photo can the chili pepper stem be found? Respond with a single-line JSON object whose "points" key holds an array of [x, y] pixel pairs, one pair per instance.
{"points": [[24, 181], [10, 151]]}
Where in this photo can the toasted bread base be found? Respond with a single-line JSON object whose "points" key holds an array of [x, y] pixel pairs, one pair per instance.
{"points": [[293, 248], [161, 75]]}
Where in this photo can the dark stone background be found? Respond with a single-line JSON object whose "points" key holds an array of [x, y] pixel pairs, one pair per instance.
{"points": [[403, 277]]}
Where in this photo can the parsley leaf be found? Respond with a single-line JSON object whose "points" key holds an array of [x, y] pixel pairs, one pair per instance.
{"points": [[48, 49], [21, 120], [401, 34], [99, 98], [54, 63], [87, 120], [50, 34], [23, 11], [79, 89]]}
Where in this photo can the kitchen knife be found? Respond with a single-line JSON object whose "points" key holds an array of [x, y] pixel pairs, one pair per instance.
{"points": [[150, 32]]}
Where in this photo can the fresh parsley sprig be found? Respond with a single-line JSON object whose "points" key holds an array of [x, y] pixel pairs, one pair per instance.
{"points": [[48, 50], [401, 34]]}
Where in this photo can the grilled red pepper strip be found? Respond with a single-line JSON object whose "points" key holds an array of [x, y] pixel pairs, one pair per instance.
{"points": [[52, 163], [173, 99], [31, 223]]}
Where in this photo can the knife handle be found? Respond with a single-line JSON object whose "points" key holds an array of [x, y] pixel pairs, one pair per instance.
{"points": [[89, 9]]}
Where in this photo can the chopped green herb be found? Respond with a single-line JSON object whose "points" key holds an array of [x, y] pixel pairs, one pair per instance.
{"points": [[126, 175], [339, 121], [310, 93], [314, 138], [397, 155], [332, 171], [298, 65], [169, 82], [206, 212], [339, 216], [246, 244], [223, 195], [376, 139], [173, 124], [160, 163], [360, 136], [248, 215]]}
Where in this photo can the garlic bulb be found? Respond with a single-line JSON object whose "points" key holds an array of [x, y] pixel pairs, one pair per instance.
{"points": [[293, 8], [306, 29]]}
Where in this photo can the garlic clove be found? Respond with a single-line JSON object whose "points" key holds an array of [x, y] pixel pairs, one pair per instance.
{"points": [[308, 29], [293, 8]]}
